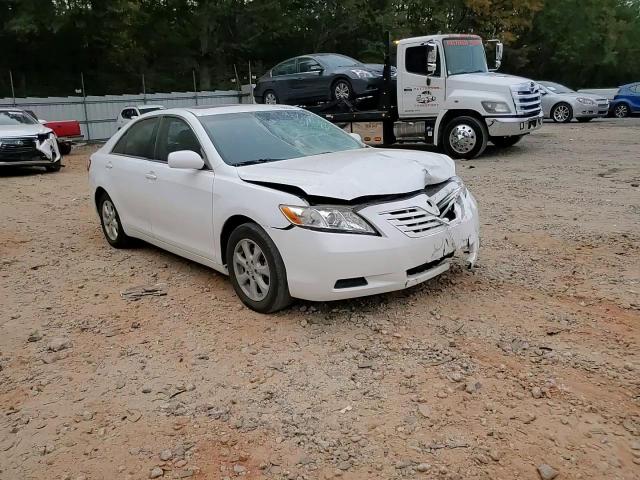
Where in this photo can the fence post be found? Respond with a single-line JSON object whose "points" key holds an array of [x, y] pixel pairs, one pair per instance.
{"points": [[251, 97], [144, 91], [238, 84], [13, 91], [84, 103], [195, 86]]}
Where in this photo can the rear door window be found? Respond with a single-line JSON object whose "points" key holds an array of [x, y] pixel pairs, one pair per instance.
{"points": [[139, 140]]}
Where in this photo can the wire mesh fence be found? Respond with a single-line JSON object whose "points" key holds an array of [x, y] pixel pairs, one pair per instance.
{"points": [[96, 100]]}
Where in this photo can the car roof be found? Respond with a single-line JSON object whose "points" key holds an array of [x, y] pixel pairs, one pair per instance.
{"points": [[144, 106], [205, 110]]}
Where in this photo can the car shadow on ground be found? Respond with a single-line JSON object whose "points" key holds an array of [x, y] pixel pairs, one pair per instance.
{"points": [[23, 171]]}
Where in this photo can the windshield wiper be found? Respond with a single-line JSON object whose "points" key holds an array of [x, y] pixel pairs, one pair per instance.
{"points": [[256, 161]]}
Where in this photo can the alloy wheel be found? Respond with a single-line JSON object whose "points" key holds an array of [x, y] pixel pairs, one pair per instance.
{"points": [[110, 220], [462, 139], [270, 98], [561, 113], [342, 91], [251, 269], [621, 111]]}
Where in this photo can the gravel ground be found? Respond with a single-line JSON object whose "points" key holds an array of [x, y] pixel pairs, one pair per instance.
{"points": [[526, 367]]}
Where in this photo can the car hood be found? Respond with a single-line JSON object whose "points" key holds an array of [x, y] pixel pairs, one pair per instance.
{"points": [[354, 173], [8, 131], [574, 95]]}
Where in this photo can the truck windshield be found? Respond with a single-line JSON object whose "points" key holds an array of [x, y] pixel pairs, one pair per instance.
{"points": [[247, 138], [465, 55]]}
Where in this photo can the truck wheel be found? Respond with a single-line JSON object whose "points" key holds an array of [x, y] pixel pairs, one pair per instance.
{"points": [[465, 137], [505, 142], [65, 148], [562, 113], [621, 111]]}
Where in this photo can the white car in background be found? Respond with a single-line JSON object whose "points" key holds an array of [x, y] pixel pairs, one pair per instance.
{"points": [[131, 112], [561, 104], [25, 142], [286, 203]]}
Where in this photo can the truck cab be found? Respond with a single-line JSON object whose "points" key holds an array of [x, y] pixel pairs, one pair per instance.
{"points": [[448, 96]]}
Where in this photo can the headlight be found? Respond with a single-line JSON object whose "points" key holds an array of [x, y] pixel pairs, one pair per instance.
{"points": [[496, 107], [585, 101], [332, 219], [362, 73]]}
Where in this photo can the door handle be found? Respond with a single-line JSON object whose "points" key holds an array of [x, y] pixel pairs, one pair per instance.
{"points": [[109, 165], [151, 176]]}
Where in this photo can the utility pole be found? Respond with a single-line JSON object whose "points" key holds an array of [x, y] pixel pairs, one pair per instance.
{"points": [[13, 91], [84, 103]]}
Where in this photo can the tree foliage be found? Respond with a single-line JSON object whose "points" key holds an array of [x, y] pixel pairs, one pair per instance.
{"points": [[47, 43]]}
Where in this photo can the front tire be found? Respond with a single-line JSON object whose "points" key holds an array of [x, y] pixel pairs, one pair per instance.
{"points": [[505, 142], [54, 167], [465, 137], [111, 225], [342, 90], [621, 110], [65, 148], [256, 269], [562, 113]]}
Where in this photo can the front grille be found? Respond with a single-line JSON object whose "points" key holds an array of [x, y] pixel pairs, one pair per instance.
{"points": [[526, 97], [18, 146], [434, 212]]}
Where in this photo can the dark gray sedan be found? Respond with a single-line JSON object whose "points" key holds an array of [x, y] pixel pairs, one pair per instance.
{"points": [[320, 77]]}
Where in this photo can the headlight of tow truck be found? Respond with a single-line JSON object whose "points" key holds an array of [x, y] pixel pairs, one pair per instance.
{"points": [[496, 107], [585, 101], [327, 218]]}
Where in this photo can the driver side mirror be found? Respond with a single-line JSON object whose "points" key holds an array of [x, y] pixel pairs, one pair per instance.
{"points": [[185, 159], [316, 68], [432, 57], [499, 51]]}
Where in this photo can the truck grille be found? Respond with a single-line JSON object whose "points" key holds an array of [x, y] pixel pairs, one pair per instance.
{"points": [[17, 146], [526, 97]]}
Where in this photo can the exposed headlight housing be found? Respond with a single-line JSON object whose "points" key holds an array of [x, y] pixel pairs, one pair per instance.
{"points": [[362, 73], [585, 101], [496, 107], [327, 218]]}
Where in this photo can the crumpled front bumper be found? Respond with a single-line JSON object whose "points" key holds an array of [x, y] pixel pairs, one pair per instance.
{"points": [[513, 126], [325, 266], [31, 152]]}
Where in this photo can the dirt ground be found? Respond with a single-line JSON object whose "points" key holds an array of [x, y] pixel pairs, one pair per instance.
{"points": [[532, 358]]}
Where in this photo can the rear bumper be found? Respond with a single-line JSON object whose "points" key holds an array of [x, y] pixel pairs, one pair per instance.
{"points": [[512, 126]]}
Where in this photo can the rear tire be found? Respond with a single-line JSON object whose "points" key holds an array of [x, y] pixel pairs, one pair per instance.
{"points": [[270, 98], [465, 137], [111, 225], [506, 142], [562, 113], [256, 269]]}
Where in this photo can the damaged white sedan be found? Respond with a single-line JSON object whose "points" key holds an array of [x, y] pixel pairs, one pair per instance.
{"points": [[286, 203], [24, 142]]}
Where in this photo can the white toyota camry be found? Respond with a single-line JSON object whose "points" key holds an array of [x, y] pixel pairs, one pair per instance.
{"points": [[284, 202]]}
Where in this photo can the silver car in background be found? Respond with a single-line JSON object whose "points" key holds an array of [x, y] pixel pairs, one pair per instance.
{"points": [[561, 104]]}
